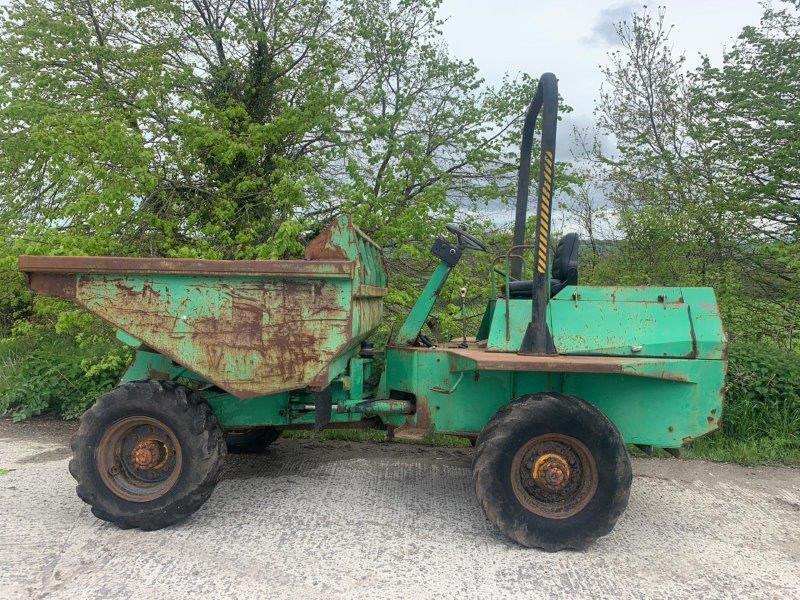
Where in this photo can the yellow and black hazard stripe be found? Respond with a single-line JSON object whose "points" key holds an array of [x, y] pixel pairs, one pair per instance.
{"points": [[544, 214]]}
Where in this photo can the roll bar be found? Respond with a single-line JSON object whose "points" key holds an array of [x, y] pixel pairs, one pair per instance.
{"points": [[537, 338]]}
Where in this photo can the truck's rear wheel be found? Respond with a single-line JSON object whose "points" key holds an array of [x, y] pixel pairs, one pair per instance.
{"points": [[551, 471], [254, 441], [147, 454]]}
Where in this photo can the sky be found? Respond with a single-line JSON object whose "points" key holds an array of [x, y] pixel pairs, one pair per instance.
{"points": [[572, 38]]}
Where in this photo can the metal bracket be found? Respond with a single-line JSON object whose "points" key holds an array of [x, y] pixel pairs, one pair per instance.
{"points": [[442, 390], [448, 253]]}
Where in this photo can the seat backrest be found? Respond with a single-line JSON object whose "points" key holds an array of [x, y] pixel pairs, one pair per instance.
{"points": [[565, 260]]}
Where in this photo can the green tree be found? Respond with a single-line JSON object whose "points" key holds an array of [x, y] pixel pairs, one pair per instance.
{"points": [[235, 130], [228, 129], [751, 132], [657, 179], [703, 181], [157, 128]]}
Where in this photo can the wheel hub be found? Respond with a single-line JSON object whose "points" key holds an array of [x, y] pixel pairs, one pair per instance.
{"points": [[139, 458], [554, 475], [551, 471], [149, 454]]}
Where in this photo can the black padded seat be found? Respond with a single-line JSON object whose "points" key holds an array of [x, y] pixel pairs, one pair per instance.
{"points": [[564, 273]]}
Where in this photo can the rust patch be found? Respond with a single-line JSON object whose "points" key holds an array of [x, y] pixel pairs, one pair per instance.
{"points": [[714, 423], [339, 267], [267, 336], [321, 381], [322, 247], [506, 361], [60, 285], [421, 419], [370, 291], [410, 434]]}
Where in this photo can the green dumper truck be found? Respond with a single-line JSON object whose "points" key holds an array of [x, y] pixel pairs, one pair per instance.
{"points": [[554, 383]]}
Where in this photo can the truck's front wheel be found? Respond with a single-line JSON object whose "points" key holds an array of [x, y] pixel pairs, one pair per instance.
{"points": [[551, 471], [147, 454]]}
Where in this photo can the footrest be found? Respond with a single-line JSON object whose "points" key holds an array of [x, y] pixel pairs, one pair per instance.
{"points": [[322, 408]]}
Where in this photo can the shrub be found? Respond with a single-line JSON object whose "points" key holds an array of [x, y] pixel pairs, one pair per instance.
{"points": [[52, 372], [763, 399]]}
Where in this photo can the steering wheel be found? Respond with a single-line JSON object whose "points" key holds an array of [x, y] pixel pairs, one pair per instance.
{"points": [[464, 239]]}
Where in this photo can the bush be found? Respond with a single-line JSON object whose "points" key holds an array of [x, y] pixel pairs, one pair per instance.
{"points": [[50, 372], [761, 414], [763, 399]]}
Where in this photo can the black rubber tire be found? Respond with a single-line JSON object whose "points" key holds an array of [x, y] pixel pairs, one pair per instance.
{"points": [[196, 429], [551, 413], [254, 441]]}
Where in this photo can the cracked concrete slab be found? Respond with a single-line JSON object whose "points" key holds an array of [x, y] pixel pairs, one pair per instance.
{"points": [[340, 520]]}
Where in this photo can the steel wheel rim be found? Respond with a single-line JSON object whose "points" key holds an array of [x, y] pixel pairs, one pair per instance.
{"points": [[554, 475], [139, 459]]}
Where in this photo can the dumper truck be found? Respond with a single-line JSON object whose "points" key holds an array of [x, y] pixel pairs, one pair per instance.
{"points": [[554, 383]]}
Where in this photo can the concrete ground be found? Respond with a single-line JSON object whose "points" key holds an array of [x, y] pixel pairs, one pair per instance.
{"points": [[346, 520]]}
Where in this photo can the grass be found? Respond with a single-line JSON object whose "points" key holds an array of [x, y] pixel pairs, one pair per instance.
{"points": [[10, 357], [4, 472], [716, 448], [373, 435], [763, 451]]}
